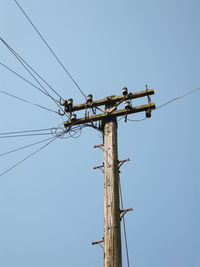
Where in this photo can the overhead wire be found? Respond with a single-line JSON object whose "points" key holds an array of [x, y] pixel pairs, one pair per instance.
{"points": [[24, 135], [17, 74], [33, 153], [168, 102], [36, 132], [28, 102], [23, 147], [26, 66], [178, 97], [29, 131], [51, 50], [136, 120], [124, 225]]}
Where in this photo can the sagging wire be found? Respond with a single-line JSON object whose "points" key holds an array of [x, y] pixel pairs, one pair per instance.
{"points": [[136, 120], [73, 130], [53, 53]]}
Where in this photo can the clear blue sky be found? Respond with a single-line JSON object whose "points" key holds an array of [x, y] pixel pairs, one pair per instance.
{"points": [[51, 206]]}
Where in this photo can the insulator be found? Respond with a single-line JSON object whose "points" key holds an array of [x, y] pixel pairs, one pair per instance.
{"points": [[124, 91], [70, 102], [73, 117], [148, 113], [89, 98], [127, 104]]}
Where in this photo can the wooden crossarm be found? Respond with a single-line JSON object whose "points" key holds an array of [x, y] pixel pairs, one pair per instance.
{"points": [[112, 100], [104, 116]]}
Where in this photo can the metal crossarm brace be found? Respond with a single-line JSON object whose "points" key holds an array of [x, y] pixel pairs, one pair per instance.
{"points": [[124, 212]]}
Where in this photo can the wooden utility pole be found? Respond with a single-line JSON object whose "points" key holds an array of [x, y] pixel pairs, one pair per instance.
{"points": [[108, 125], [112, 235]]}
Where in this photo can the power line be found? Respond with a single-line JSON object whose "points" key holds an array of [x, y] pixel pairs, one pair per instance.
{"points": [[29, 131], [136, 120], [124, 225], [14, 52], [21, 161], [168, 102], [33, 153], [23, 147], [26, 101], [12, 71], [178, 97], [24, 135], [24, 64], [58, 60]]}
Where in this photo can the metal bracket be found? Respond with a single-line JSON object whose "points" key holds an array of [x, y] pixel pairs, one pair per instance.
{"points": [[99, 146], [99, 167], [121, 162], [98, 243], [123, 212]]}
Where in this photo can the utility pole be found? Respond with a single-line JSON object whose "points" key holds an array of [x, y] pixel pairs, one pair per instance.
{"points": [[112, 233], [108, 125]]}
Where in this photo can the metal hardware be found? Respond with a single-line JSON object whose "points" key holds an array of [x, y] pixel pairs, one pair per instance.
{"points": [[97, 146], [98, 242], [121, 162], [123, 212]]}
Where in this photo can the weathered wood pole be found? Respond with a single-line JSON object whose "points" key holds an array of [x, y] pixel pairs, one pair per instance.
{"points": [[112, 232]]}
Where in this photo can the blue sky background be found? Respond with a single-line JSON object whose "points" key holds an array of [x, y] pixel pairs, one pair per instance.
{"points": [[51, 206]]}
